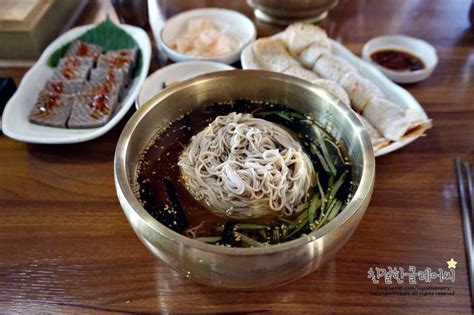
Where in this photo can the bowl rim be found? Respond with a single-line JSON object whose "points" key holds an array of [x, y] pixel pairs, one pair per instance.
{"points": [[366, 51], [124, 189], [219, 58], [254, 4]]}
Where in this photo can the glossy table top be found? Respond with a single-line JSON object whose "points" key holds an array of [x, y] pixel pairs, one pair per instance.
{"points": [[65, 245]]}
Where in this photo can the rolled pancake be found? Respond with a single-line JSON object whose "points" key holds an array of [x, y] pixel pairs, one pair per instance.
{"points": [[302, 73], [332, 67], [272, 55], [378, 141], [330, 86], [360, 90], [334, 88], [391, 120], [310, 55], [297, 37]]}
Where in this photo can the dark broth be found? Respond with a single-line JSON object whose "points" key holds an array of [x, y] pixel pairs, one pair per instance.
{"points": [[159, 176]]}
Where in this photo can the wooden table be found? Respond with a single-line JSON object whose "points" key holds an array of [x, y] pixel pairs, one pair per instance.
{"points": [[65, 245]]}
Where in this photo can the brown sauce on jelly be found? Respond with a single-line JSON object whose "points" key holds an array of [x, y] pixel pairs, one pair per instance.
{"points": [[109, 78], [119, 62], [46, 103], [68, 73], [397, 60], [57, 86], [71, 62], [98, 103], [82, 50]]}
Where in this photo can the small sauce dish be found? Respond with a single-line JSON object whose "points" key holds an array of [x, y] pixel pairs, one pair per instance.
{"points": [[414, 59], [232, 22]]}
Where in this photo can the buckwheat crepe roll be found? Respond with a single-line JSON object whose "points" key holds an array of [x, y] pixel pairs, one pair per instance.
{"points": [[378, 141], [310, 55], [302, 73], [332, 87], [391, 120], [299, 36], [272, 55], [360, 90], [332, 67]]}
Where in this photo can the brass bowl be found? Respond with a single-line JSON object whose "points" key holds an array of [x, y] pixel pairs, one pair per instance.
{"points": [[285, 12], [244, 267]]}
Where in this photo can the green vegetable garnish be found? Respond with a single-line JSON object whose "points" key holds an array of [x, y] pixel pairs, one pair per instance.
{"points": [[208, 239]]}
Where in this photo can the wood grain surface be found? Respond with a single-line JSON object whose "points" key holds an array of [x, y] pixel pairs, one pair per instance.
{"points": [[65, 245]]}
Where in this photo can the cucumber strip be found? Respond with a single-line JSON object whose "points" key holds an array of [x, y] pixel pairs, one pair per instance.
{"points": [[325, 151], [248, 240], [208, 239]]}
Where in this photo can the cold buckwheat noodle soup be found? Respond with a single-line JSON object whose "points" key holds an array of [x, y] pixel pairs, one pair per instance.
{"points": [[244, 174]]}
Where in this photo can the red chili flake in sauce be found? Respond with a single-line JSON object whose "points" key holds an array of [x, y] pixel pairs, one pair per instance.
{"points": [[110, 76], [82, 50], [68, 73], [71, 62], [57, 86], [99, 102], [397, 60], [109, 79], [47, 103], [119, 62]]}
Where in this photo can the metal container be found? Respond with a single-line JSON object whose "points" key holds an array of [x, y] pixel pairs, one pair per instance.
{"points": [[244, 267], [285, 12]]}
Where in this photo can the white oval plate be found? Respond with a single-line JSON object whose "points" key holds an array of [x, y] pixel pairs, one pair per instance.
{"points": [[174, 73], [15, 116], [395, 93]]}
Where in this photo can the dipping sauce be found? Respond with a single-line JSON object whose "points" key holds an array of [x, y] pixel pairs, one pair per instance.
{"points": [[397, 60]]}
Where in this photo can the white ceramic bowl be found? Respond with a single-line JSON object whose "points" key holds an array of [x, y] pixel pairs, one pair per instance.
{"points": [[233, 22], [414, 46], [174, 73]]}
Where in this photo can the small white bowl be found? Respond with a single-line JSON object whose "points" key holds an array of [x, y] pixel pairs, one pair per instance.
{"points": [[414, 46], [232, 21], [174, 73]]}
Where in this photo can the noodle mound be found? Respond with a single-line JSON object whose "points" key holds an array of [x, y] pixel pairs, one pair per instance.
{"points": [[244, 167]]}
